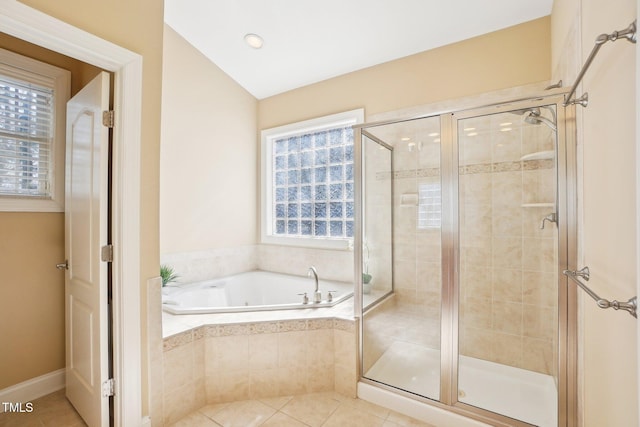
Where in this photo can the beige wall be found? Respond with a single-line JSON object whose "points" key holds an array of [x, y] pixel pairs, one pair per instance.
{"points": [[137, 26], [31, 295], [32, 290], [222, 151], [511, 57], [208, 156], [606, 202], [81, 73]]}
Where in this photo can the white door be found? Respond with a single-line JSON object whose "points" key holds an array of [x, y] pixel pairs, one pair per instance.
{"points": [[86, 212]]}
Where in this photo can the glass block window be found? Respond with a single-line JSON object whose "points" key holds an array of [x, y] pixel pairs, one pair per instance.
{"points": [[313, 184], [310, 181], [429, 206]]}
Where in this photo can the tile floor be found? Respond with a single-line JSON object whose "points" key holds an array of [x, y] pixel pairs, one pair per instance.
{"points": [[307, 410], [52, 410]]}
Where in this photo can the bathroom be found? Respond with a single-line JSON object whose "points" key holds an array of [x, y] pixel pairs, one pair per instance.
{"points": [[606, 219], [531, 65]]}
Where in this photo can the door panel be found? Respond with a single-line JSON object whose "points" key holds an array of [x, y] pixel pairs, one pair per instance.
{"points": [[402, 199], [86, 215], [508, 263]]}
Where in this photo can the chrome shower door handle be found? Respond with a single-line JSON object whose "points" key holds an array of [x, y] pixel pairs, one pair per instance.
{"points": [[63, 265]]}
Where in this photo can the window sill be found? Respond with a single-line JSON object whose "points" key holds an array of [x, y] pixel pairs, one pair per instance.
{"points": [[332, 244], [10, 204]]}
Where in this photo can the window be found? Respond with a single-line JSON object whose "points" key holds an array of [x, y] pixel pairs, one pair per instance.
{"points": [[429, 206], [308, 182], [33, 97]]}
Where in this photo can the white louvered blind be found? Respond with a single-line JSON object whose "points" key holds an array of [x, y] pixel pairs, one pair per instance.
{"points": [[27, 114]]}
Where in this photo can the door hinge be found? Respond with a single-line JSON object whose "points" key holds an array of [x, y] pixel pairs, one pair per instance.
{"points": [[108, 118], [108, 388], [106, 253]]}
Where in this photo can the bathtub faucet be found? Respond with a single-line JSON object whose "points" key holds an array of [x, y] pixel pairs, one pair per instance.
{"points": [[317, 295]]}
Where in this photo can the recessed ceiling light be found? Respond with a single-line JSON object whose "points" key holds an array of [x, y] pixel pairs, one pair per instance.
{"points": [[436, 140], [469, 129], [505, 129], [505, 124], [254, 40], [406, 138], [472, 134], [434, 134]]}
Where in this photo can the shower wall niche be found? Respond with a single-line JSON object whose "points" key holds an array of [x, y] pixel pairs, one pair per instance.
{"points": [[459, 227]]}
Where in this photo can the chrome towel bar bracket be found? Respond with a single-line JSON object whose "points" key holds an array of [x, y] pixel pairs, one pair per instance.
{"points": [[628, 34], [630, 306]]}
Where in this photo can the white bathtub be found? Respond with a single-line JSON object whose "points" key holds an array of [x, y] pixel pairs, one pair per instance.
{"points": [[251, 291]]}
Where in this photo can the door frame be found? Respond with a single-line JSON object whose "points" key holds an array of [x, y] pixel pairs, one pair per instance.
{"points": [[26, 23]]}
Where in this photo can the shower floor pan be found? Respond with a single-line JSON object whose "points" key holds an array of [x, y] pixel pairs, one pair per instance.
{"points": [[517, 393]]}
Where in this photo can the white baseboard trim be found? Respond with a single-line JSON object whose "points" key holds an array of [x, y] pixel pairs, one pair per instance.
{"points": [[34, 388]]}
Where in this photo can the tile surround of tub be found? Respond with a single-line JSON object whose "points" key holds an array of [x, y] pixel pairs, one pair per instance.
{"points": [[203, 265], [230, 362], [330, 264], [155, 353], [211, 264]]}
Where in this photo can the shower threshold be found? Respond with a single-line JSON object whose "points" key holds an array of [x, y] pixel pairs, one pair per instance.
{"points": [[517, 393]]}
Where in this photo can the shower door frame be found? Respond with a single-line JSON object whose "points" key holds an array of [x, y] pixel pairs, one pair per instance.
{"points": [[566, 210]]}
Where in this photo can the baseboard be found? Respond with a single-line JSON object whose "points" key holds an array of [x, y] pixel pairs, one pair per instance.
{"points": [[34, 388]]}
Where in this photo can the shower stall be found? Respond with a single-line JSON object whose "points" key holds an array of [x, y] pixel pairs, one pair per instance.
{"points": [[463, 227]]}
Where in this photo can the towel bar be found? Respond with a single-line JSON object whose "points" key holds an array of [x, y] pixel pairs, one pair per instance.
{"points": [[630, 306]]}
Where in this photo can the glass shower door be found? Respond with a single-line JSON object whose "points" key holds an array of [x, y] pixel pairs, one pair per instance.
{"points": [[508, 312], [465, 219], [402, 246]]}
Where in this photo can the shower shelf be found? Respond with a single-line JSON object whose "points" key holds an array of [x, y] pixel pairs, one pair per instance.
{"points": [[540, 155], [538, 205]]}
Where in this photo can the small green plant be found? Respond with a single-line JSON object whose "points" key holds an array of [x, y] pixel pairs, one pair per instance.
{"points": [[168, 274], [366, 278]]}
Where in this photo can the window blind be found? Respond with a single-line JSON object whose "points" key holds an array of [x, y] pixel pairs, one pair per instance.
{"points": [[26, 138]]}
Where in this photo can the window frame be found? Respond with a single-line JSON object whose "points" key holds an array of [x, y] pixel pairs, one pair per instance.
{"points": [[268, 136], [30, 70]]}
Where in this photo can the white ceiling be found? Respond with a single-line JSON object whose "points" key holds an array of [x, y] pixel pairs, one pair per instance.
{"points": [[306, 41]]}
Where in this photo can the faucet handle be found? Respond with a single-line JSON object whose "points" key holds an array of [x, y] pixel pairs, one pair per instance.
{"points": [[552, 217], [330, 295], [305, 298]]}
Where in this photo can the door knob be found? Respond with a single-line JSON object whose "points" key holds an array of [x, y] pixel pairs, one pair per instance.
{"points": [[63, 265]]}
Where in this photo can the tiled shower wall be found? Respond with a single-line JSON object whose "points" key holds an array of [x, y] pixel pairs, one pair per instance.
{"points": [[377, 200], [508, 267]]}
